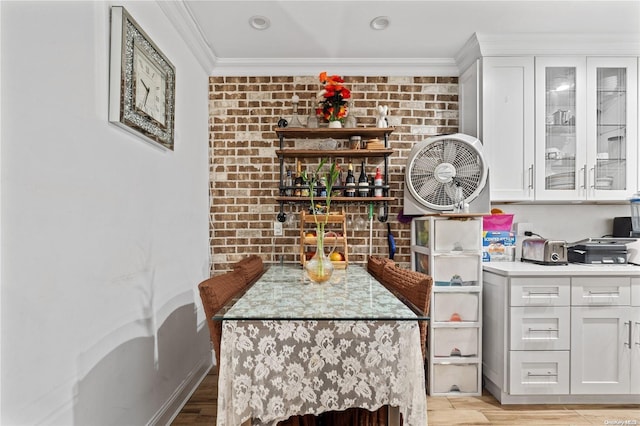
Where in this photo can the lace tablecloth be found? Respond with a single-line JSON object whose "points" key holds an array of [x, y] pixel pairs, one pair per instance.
{"points": [[273, 369]]}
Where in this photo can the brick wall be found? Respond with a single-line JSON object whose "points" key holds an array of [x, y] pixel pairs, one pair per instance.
{"points": [[244, 170]]}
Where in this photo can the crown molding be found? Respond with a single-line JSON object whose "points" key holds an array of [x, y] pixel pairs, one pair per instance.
{"points": [[547, 44], [180, 17], [436, 67]]}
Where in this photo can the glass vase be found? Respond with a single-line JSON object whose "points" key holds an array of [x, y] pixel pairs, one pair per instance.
{"points": [[319, 268]]}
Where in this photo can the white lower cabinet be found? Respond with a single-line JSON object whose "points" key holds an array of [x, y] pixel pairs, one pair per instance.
{"points": [[569, 338], [600, 355]]}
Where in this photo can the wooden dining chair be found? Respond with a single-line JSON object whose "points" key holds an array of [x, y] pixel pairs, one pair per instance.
{"points": [[252, 268], [415, 287], [215, 292]]}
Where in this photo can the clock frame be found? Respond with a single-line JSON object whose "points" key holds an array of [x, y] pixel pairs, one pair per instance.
{"points": [[142, 82]]}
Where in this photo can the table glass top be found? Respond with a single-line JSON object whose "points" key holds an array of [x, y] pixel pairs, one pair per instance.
{"points": [[285, 292]]}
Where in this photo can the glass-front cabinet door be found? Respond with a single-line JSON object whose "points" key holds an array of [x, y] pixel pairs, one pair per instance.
{"points": [[560, 128], [612, 132], [584, 110]]}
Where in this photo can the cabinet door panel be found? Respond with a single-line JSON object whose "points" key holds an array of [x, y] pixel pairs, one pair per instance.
{"points": [[540, 328], [539, 372], [600, 291], [560, 129], [540, 291], [600, 356], [612, 136], [508, 115]]}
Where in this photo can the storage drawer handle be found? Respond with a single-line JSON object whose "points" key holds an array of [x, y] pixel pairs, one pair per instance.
{"points": [[638, 325], [541, 330], [549, 374], [628, 343], [543, 293], [604, 293]]}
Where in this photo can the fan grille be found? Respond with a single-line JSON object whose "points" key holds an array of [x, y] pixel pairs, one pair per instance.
{"points": [[444, 171]]}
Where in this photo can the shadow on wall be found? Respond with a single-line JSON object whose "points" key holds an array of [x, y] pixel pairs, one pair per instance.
{"points": [[127, 386]]}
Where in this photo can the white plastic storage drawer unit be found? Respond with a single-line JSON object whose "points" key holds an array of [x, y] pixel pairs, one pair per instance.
{"points": [[456, 270], [455, 306], [456, 235], [456, 378], [456, 342]]}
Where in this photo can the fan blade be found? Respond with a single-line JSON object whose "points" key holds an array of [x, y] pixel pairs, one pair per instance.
{"points": [[468, 170], [425, 163], [450, 152], [427, 188]]}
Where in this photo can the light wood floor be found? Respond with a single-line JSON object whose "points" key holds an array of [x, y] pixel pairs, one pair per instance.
{"points": [[482, 410]]}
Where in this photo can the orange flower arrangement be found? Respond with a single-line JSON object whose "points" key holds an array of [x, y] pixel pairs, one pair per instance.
{"points": [[333, 106]]}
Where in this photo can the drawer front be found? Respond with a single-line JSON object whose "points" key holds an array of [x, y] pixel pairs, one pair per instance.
{"points": [[554, 291], [456, 270], [540, 328], [457, 235], [456, 342], [455, 378], [600, 291], [454, 307], [539, 372]]}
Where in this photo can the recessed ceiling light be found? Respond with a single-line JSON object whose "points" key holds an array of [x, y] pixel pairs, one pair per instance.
{"points": [[380, 22], [259, 22]]}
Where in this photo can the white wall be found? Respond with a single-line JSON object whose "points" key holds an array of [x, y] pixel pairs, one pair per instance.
{"points": [[104, 237]]}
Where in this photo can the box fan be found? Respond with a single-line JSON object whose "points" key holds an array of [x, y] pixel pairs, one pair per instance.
{"points": [[445, 172]]}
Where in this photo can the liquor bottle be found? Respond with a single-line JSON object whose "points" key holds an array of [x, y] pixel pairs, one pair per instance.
{"points": [[288, 183], [363, 183], [322, 187], [350, 182], [304, 190], [377, 183], [336, 189], [297, 192]]}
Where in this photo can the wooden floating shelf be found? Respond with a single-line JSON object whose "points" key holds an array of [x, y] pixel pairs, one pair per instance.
{"points": [[325, 132], [335, 199], [318, 153]]}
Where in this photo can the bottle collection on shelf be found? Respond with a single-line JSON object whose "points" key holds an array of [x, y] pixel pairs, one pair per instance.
{"points": [[364, 186]]}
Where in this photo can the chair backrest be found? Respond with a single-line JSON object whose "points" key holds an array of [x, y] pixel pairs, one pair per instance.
{"points": [[376, 264], [251, 267], [413, 286], [215, 292]]}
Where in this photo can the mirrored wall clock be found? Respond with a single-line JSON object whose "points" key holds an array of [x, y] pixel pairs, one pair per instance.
{"points": [[142, 82]]}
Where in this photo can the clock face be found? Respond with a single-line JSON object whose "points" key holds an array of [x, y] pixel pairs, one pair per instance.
{"points": [[150, 87]]}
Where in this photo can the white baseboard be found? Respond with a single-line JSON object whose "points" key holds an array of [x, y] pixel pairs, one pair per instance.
{"points": [[170, 409]]}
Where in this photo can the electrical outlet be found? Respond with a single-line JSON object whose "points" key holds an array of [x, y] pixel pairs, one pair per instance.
{"points": [[277, 228], [521, 227]]}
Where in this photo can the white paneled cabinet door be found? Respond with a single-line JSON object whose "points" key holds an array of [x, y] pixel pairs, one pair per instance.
{"points": [[560, 128], [611, 128], [600, 354], [635, 336], [508, 126]]}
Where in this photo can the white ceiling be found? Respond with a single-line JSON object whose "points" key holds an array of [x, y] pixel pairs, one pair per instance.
{"points": [[325, 32]]}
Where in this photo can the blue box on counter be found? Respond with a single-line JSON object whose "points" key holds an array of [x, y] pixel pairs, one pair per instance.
{"points": [[498, 246]]}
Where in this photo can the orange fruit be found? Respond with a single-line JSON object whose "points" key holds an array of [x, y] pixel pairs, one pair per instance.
{"points": [[336, 257]]}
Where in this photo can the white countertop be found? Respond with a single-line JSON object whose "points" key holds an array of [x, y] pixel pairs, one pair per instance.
{"points": [[525, 269]]}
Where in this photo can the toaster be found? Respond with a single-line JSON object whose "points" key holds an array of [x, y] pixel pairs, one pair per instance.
{"points": [[544, 252]]}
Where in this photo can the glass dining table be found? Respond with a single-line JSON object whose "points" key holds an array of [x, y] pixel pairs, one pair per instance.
{"points": [[291, 347]]}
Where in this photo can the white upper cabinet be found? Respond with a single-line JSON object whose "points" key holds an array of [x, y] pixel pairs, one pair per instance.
{"points": [[508, 126], [586, 128]]}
